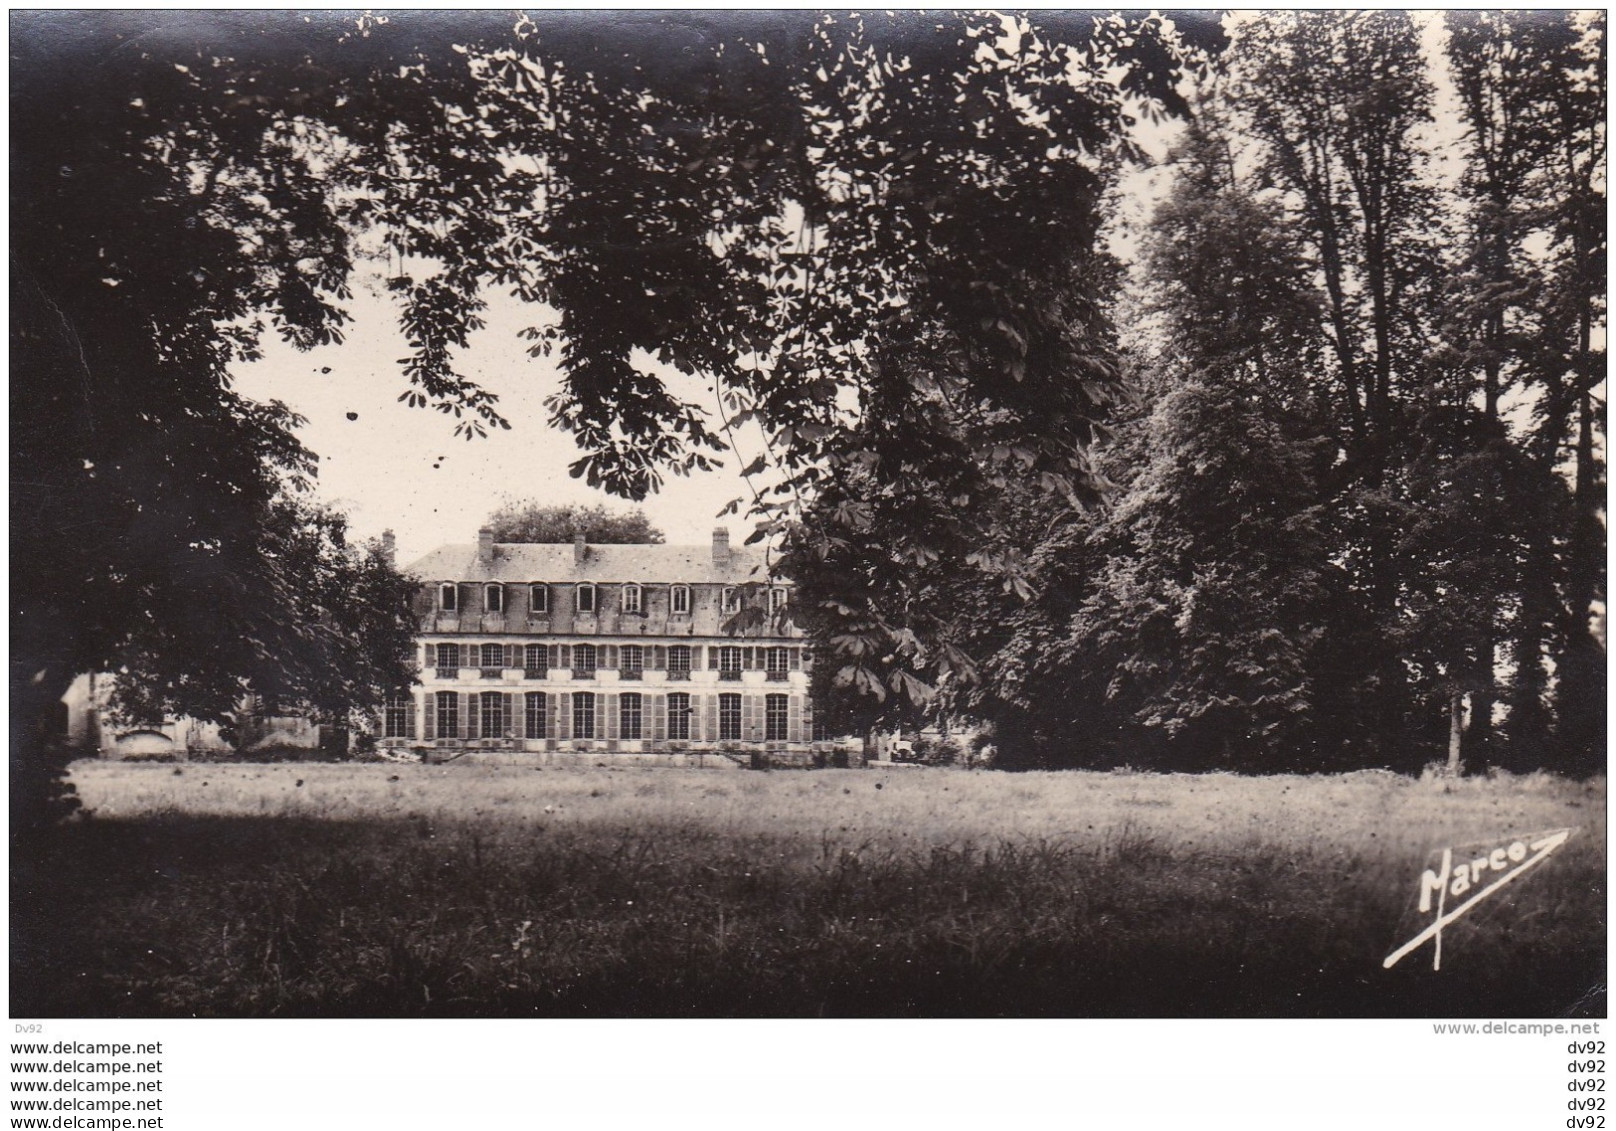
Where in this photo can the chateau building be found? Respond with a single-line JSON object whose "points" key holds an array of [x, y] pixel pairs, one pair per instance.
{"points": [[637, 648]]}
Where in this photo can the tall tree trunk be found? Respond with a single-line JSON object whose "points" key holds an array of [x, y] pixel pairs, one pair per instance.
{"points": [[1455, 730]]}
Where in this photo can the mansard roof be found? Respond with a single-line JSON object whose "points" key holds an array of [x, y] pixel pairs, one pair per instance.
{"points": [[555, 563]]}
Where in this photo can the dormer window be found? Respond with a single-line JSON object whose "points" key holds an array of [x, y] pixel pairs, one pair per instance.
{"points": [[631, 598], [679, 600], [494, 598], [777, 600], [731, 599], [586, 597], [446, 597], [538, 598]]}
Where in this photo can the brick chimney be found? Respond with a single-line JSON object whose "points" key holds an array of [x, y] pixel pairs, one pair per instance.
{"points": [[388, 546], [485, 546], [580, 550], [720, 545]]}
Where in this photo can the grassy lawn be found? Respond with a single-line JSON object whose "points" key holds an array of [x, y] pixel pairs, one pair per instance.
{"points": [[472, 890]]}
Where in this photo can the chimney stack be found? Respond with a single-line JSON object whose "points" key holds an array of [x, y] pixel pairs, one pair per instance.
{"points": [[485, 546], [579, 549], [388, 547], [720, 545]]}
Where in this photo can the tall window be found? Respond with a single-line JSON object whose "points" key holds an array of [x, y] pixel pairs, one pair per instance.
{"points": [[631, 662], [448, 714], [535, 714], [583, 661], [535, 661], [731, 599], [631, 598], [586, 598], [494, 598], [729, 718], [679, 661], [679, 716], [446, 597], [583, 714], [729, 663], [396, 719], [493, 656], [777, 600], [538, 598], [774, 718], [776, 662], [628, 715], [493, 714], [679, 600]]}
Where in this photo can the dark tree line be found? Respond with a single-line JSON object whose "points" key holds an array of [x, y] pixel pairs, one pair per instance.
{"points": [[787, 204], [1356, 515], [1353, 486]]}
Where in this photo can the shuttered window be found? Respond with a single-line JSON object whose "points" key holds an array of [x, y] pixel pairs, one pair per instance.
{"points": [[535, 661], [629, 715], [583, 661], [535, 719], [776, 717], [583, 714], [398, 717], [493, 715], [679, 661], [631, 663], [448, 722], [729, 663], [679, 716], [729, 718]]}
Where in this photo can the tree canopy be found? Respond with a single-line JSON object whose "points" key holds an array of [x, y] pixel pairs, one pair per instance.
{"points": [[531, 521], [1350, 514], [881, 240], [785, 204]]}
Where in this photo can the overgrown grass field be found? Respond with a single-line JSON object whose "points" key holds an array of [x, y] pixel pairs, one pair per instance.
{"points": [[472, 890]]}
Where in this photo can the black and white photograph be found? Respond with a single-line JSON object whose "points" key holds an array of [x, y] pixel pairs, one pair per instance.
{"points": [[789, 515]]}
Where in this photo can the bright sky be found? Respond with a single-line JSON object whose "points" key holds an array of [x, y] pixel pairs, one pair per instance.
{"points": [[389, 466]]}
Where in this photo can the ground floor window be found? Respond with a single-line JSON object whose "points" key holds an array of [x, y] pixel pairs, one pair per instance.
{"points": [[535, 714], [774, 718], [729, 718], [396, 720], [679, 716], [583, 714], [448, 714], [493, 714], [628, 715]]}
